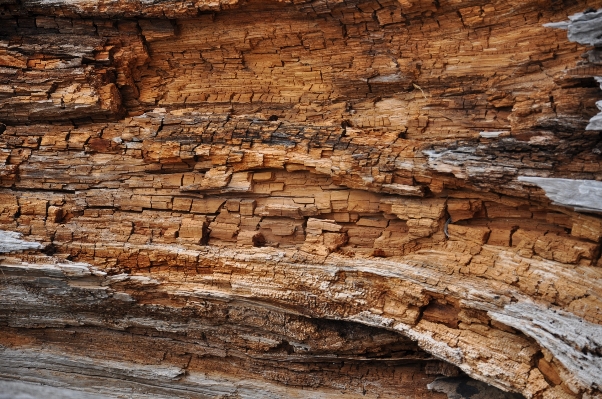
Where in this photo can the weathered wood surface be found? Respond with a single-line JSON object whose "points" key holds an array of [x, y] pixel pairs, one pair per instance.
{"points": [[300, 199]]}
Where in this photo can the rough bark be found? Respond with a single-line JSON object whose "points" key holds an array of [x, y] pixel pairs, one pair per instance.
{"points": [[301, 199]]}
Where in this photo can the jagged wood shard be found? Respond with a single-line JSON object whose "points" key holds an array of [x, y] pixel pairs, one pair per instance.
{"points": [[582, 195], [12, 242], [300, 199]]}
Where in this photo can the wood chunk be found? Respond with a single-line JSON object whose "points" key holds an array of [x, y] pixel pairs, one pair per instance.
{"points": [[166, 152], [405, 311], [218, 177], [240, 182], [280, 226], [459, 209], [161, 202], [133, 203], [334, 241], [497, 210], [477, 235], [372, 222], [406, 209], [340, 195], [250, 239], [207, 205], [9, 206], [363, 236], [193, 229], [223, 231], [263, 176], [249, 222], [549, 371], [441, 313], [402, 189], [587, 227], [560, 219], [318, 226], [228, 217], [322, 201], [182, 204], [340, 217], [362, 201], [247, 207], [422, 227], [324, 244], [156, 29], [29, 206], [564, 249], [55, 214], [499, 237], [279, 208], [250, 160], [267, 188], [525, 239]]}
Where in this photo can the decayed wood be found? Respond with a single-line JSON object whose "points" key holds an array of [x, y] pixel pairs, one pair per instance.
{"points": [[285, 199]]}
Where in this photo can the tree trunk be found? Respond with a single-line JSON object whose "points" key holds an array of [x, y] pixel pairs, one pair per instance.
{"points": [[317, 199]]}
